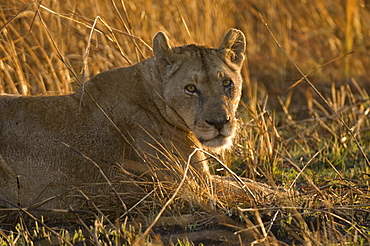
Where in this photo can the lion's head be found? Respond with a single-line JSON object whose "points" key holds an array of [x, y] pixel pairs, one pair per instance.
{"points": [[202, 86]]}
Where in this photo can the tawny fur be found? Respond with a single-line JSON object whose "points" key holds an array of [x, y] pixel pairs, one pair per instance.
{"points": [[147, 107]]}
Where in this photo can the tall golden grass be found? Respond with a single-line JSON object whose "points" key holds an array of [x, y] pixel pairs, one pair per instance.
{"points": [[119, 33], [49, 47]]}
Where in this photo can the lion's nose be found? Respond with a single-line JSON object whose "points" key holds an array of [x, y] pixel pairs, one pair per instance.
{"points": [[218, 123]]}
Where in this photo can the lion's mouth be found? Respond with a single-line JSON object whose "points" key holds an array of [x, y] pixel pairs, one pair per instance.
{"points": [[213, 138], [219, 141]]}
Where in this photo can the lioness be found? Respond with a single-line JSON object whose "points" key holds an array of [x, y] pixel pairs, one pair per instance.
{"points": [[182, 98]]}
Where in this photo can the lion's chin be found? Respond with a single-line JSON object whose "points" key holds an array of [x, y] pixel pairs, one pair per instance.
{"points": [[218, 143]]}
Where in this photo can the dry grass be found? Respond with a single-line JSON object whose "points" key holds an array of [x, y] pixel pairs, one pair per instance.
{"points": [[290, 138]]}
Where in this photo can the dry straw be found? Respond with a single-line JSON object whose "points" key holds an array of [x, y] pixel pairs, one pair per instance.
{"points": [[313, 144]]}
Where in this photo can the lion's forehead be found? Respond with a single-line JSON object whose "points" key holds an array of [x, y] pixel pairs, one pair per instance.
{"points": [[201, 63], [199, 54]]}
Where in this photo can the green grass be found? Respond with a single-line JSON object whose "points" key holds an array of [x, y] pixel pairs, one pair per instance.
{"points": [[310, 139]]}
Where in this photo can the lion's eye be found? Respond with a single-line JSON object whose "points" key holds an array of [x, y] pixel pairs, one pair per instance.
{"points": [[227, 83], [190, 88]]}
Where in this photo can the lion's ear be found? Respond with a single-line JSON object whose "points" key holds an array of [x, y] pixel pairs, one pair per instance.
{"points": [[233, 46], [161, 46]]}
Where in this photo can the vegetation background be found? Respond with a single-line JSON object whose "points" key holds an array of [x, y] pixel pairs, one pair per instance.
{"points": [[312, 137]]}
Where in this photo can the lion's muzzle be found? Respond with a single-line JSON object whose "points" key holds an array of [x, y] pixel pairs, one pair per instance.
{"points": [[215, 133]]}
